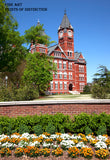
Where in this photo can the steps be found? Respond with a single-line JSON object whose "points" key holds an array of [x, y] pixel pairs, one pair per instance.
{"points": [[74, 92]]}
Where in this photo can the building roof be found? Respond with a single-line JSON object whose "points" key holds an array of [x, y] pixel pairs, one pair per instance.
{"points": [[42, 32], [76, 55], [65, 22], [51, 49]]}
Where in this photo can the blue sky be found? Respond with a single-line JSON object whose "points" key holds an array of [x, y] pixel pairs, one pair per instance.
{"points": [[89, 18]]}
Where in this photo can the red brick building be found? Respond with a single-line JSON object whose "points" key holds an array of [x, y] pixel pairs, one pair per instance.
{"points": [[71, 66]]}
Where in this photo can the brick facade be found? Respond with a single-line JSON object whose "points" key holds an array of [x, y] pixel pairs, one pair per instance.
{"points": [[71, 66], [14, 109]]}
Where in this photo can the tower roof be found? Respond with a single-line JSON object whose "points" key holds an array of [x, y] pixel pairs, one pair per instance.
{"points": [[42, 32], [65, 22]]}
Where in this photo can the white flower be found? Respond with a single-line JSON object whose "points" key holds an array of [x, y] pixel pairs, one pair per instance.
{"points": [[67, 143], [80, 145], [65, 136], [15, 136], [100, 145], [76, 137], [3, 136], [90, 138], [54, 136], [25, 135], [33, 136], [36, 143], [101, 138], [44, 136], [22, 144], [47, 145], [8, 145]]}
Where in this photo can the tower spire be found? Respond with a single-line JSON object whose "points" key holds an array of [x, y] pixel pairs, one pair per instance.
{"points": [[65, 11], [65, 22], [38, 22]]}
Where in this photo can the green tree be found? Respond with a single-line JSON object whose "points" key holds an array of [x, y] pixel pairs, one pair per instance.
{"points": [[39, 71], [86, 89], [36, 34], [11, 48], [101, 83]]}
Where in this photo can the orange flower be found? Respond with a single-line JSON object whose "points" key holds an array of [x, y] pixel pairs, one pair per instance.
{"points": [[46, 134], [102, 153], [49, 140], [86, 152], [73, 152], [57, 152]]}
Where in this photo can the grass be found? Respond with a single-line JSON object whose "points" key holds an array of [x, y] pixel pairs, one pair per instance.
{"points": [[66, 97]]}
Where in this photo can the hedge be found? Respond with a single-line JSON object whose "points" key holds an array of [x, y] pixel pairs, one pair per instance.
{"points": [[82, 123]]}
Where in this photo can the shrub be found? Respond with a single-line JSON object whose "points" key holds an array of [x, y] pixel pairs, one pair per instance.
{"points": [[99, 92], [11, 93], [26, 93], [102, 130], [86, 89], [59, 122], [80, 122], [6, 94], [88, 131], [0, 129], [38, 130], [23, 128], [50, 128]]}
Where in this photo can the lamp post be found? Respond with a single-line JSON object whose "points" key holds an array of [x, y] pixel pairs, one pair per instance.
{"points": [[6, 79]]}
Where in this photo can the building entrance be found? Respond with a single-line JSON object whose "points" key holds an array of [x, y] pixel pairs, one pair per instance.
{"points": [[70, 87]]}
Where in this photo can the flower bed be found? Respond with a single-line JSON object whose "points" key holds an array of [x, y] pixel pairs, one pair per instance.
{"points": [[66, 146]]}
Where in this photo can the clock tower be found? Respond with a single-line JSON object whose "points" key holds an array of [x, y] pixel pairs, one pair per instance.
{"points": [[66, 37]]}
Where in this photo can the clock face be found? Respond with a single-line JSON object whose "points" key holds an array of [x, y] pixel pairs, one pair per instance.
{"points": [[61, 33], [69, 33]]}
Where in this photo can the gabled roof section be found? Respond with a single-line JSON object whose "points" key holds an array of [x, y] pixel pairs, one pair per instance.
{"points": [[65, 22], [78, 57], [51, 49]]}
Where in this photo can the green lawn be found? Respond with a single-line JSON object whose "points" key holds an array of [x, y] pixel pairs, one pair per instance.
{"points": [[66, 96]]}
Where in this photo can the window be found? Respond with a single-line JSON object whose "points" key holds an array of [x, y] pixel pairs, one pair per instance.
{"points": [[43, 50], [81, 77], [81, 85], [51, 85], [64, 65], [65, 75], [65, 85], [70, 75], [55, 61], [60, 65], [70, 65], [60, 75], [56, 75], [56, 85], [61, 86], [81, 68], [69, 53], [40, 50], [57, 54]]}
